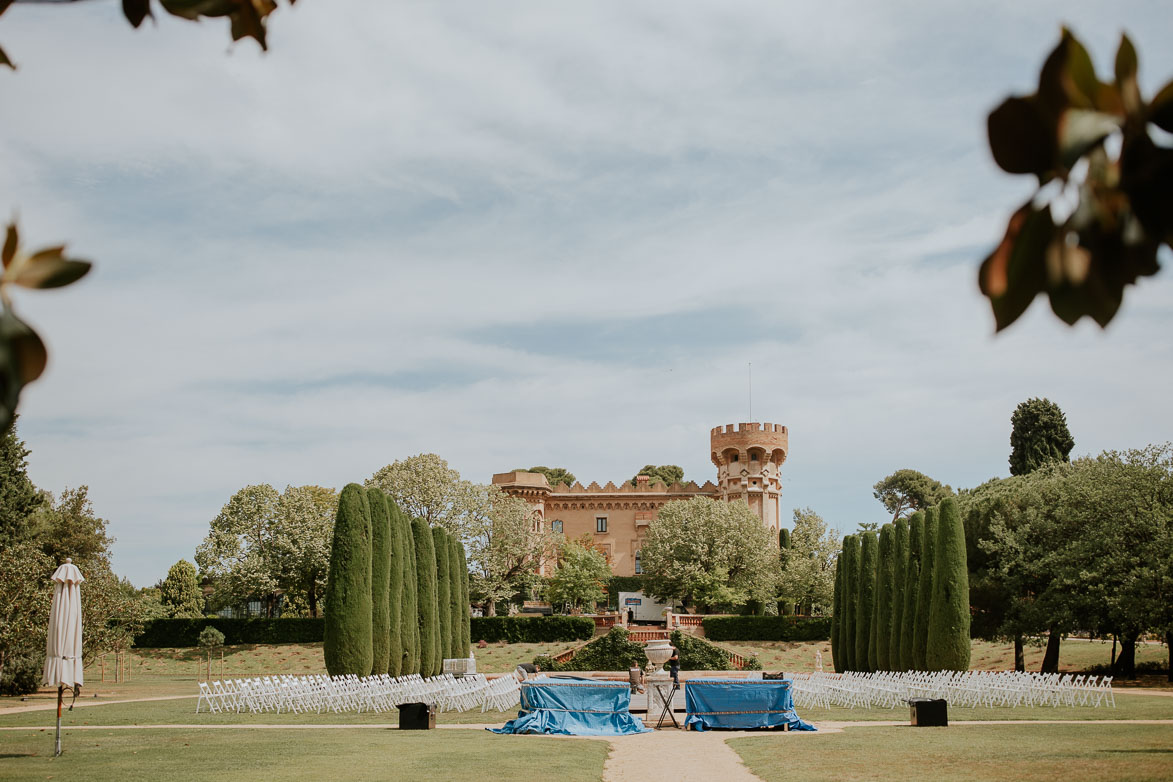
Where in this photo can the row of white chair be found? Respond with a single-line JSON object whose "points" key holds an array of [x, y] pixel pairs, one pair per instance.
{"points": [[298, 694], [885, 689]]}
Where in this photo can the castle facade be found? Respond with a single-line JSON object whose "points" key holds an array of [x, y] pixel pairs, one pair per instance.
{"points": [[748, 458]]}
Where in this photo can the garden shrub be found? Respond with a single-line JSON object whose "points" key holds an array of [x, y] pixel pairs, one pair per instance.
{"points": [[428, 610], [347, 635], [181, 633], [766, 628], [697, 654], [531, 629], [409, 626], [611, 652], [443, 593], [948, 645], [397, 569], [381, 542], [22, 675]]}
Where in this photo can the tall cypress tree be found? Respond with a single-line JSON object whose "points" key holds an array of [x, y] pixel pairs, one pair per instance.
{"points": [[882, 622], [443, 592], [395, 600], [837, 613], [866, 601], [948, 645], [381, 543], [899, 566], [455, 596], [347, 631], [409, 626], [429, 615], [916, 526], [465, 604], [849, 630], [924, 589]]}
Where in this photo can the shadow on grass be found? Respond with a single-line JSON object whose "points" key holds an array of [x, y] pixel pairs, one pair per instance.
{"points": [[1140, 751]]}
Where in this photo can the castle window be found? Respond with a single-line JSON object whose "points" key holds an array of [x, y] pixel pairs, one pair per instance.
{"points": [[736, 457], [556, 525], [600, 524], [639, 567]]}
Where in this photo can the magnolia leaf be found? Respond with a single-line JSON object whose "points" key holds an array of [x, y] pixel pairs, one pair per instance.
{"points": [[136, 11], [1081, 84], [48, 268], [11, 239], [1146, 176], [1016, 271], [1126, 60], [1020, 139], [1161, 108], [5, 61], [26, 352], [194, 9], [1080, 130]]}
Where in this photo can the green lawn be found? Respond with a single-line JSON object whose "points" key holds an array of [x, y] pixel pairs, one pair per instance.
{"points": [[293, 755], [1128, 707], [1040, 753], [1074, 654]]}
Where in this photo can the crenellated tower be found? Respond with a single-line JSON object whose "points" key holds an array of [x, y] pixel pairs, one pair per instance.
{"points": [[749, 461]]}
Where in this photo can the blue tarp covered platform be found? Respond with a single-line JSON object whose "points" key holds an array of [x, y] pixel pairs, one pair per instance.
{"points": [[740, 704], [574, 706]]}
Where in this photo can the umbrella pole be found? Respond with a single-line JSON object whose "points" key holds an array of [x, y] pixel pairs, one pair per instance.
{"points": [[60, 695]]}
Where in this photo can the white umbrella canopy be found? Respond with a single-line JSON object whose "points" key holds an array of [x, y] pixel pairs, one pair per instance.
{"points": [[63, 666]]}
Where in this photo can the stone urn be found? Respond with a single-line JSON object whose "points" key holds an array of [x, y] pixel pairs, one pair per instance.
{"points": [[658, 652]]}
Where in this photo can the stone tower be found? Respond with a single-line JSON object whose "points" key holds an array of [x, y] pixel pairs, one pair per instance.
{"points": [[749, 463]]}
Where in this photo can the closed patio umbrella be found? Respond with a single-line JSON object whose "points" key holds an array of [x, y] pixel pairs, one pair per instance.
{"points": [[63, 666]]}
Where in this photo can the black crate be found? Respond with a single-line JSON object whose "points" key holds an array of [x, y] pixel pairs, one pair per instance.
{"points": [[417, 716], [929, 712]]}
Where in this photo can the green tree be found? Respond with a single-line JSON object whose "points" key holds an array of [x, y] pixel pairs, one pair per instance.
{"points": [[865, 602], [443, 592], [882, 612], [924, 589], [916, 526], [456, 616], [948, 644], [347, 634], [24, 602], [899, 572], [849, 629], [409, 626], [1038, 434], [505, 549], [18, 496], [581, 577], [785, 607], [837, 616], [397, 567], [301, 543], [554, 475], [709, 553], [429, 616], [465, 603], [906, 491], [68, 527], [667, 474], [382, 540], [180, 592], [808, 577], [425, 487]]}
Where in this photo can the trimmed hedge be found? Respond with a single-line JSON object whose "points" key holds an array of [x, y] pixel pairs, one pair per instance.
{"points": [[179, 633], [531, 629], [347, 642], [766, 628]]}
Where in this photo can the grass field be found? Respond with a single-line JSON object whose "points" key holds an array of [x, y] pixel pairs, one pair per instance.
{"points": [[311, 755], [1040, 753], [1074, 654]]}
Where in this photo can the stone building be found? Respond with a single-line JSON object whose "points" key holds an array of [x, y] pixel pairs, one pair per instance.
{"points": [[748, 458]]}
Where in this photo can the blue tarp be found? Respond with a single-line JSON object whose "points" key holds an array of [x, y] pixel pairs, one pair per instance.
{"points": [[574, 706], [740, 704]]}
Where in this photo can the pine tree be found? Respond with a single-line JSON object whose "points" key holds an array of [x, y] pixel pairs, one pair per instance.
{"points": [[948, 645], [785, 606], [18, 496], [916, 525], [429, 616], [400, 565], [924, 589], [465, 604], [848, 631], [443, 592], [865, 603], [837, 613], [899, 566], [381, 543], [347, 633], [180, 592], [882, 622], [409, 625]]}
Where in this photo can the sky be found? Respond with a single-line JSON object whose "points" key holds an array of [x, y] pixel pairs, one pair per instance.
{"points": [[542, 233]]}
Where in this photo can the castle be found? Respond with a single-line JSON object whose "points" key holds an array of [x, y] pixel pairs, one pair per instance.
{"points": [[748, 459]]}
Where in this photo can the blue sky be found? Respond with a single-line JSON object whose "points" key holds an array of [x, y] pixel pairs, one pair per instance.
{"points": [[541, 233]]}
